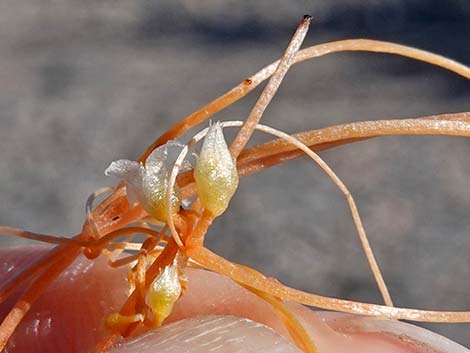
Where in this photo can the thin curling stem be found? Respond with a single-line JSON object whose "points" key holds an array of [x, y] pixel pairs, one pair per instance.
{"points": [[258, 158], [249, 84], [38, 267], [271, 88], [378, 46], [455, 124], [103, 241], [45, 271], [89, 209], [295, 329], [216, 263], [50, 239], [23, 304], [92, 197], [301, 146], [352, 205]]}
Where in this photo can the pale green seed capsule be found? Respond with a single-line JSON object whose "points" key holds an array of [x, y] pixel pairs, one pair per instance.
{"points": [[163, 293], [215, 172]]}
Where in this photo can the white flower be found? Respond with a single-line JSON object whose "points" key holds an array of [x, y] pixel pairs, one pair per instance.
{"points": [[147, 183]]}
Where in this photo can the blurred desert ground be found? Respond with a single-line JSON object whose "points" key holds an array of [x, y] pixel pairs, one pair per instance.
{"points": [[84, 83]]}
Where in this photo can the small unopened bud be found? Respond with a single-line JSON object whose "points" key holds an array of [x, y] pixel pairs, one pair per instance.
{"points": [[215, 172], [147, 184], [163, 293]]}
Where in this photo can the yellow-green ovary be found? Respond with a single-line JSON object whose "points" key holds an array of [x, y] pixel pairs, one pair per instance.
{"points": [[155, 197]]}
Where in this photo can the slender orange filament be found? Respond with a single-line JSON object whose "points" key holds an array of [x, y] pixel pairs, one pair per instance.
{"points": [[271, 88], [214, 262], [249, 84], [114, 213]]}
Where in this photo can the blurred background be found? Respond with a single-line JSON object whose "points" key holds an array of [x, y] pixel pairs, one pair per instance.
{"points": [[88, 82]]}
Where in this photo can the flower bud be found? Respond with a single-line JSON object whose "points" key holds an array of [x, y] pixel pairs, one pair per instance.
{"points": [[215, 172], [163, 293]]}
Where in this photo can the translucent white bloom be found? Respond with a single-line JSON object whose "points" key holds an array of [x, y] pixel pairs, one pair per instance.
{"points": [[147, 183]]}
